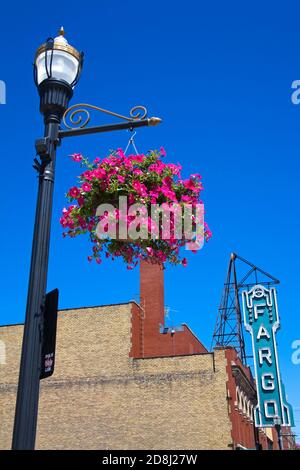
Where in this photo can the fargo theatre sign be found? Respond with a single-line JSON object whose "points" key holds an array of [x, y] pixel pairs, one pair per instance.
{"points": [[262, 321]]}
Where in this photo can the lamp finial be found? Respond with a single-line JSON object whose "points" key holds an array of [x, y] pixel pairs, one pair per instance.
{"points": [[61, 32]]}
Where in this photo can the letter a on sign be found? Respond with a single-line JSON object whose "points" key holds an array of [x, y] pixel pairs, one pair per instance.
{"points": [[262, 332], [262, 321]]}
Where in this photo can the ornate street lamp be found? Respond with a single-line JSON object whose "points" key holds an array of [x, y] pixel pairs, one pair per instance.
{"points": [[57, 69]]}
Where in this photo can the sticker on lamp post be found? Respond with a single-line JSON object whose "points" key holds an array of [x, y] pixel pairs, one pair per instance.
{"points": [[49, 334], [2, 92], [262, 321]]}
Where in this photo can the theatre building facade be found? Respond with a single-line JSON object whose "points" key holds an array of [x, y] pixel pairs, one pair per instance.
{"points": [[123, 381]]}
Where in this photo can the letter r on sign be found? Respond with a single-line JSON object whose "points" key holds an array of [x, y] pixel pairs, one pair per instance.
{"points": [[265, 353]]}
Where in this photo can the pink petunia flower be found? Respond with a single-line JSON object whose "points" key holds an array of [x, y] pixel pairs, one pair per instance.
{"points": [[137, 158], [140, 188], [186, 198], [184, 262], [167, 181], [189, 184], [168, 193], [137, 171], [121, 178], [121, 153], [80, 201], [86, 187], [74, 192], [157, 168], [131, 199], [175, 168], [88, 175], [162, 151], [76, 157], [63, 221], [196, 175], [149, 250], [99, 173]]}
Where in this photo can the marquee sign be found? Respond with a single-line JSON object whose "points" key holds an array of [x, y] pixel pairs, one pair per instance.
{"points": [[262, 321]]}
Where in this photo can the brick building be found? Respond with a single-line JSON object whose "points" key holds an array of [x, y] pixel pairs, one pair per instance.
{"points": [[123, 381]]}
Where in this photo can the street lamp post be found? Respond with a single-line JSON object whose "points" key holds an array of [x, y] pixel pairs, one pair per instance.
{"points": [[277, 424], [57, 69]]}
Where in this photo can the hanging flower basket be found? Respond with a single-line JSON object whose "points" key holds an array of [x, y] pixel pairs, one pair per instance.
{"points": [[132, 206]]}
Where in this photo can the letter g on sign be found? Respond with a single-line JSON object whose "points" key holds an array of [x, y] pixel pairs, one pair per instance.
{"points": [[267, 382]]}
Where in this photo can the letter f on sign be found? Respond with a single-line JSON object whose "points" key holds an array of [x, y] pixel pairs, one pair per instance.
{"points": [[258, 310]]}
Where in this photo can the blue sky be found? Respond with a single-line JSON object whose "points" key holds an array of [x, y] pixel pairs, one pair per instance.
{"points": [[220, 77]]}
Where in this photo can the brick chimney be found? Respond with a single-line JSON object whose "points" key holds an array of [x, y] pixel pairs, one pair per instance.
{"points": [[147, 340], [152, 301]]}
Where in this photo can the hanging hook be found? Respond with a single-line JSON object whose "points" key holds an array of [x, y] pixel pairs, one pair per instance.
{"points": [[131, 142]]}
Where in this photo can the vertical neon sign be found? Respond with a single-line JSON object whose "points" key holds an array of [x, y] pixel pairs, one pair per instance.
{"points": [[262, 321]]}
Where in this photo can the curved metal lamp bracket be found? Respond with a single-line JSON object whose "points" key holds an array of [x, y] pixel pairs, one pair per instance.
{"points": [[78, 115]]}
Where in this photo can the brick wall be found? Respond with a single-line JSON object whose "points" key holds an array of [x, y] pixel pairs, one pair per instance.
{"points": [[101, 398], [119, 383], [242, 399]]}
